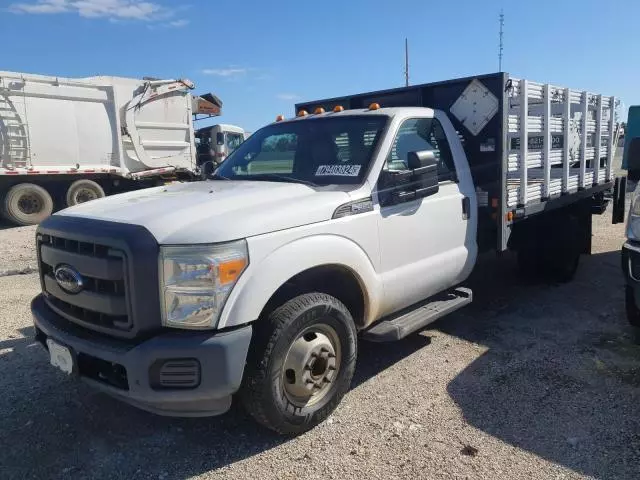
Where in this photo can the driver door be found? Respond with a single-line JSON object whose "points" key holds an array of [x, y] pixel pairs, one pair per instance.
{"points": [[424, 243]]}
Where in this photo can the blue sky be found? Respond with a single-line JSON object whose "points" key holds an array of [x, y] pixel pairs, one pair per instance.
{"points": [[260, 57]]}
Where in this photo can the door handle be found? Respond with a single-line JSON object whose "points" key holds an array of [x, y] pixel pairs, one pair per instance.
{"points": [[466, 208]]}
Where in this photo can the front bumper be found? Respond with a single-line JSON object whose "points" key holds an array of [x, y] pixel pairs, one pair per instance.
{"points": [[126, 370], [631, 271]]}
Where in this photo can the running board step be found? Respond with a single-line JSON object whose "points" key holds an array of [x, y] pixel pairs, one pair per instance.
{"points": [[407, 322]]}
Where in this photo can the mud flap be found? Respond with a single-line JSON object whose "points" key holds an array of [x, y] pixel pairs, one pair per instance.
{"points": [[619, 197]]}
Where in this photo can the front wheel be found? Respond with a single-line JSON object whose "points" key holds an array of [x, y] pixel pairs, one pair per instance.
{"points": [[27, 204], [301, 363]]}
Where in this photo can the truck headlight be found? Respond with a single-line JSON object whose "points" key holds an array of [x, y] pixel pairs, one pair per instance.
{"points": [[633, 221], [195, 282]]}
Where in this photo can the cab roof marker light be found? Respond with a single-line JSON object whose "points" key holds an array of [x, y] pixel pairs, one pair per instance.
{"points": [[374, 106], [338, 108], [318, 110], [302, 113], [279, 118]]}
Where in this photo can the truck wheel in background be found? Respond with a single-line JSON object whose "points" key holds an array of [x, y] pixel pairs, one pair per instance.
{"points": [[300, 364], [82, 191], [552, 248], [557, 263], [27, 204]]}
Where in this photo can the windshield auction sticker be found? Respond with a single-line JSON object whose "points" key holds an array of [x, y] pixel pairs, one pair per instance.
{"points": [[338, 170]]}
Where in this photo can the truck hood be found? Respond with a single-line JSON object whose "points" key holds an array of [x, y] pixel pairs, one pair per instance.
{"points": [[215, 211]]}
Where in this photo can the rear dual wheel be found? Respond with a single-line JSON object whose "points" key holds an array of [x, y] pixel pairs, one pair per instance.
{"points": [[82, 191], [554, 253], [301, 363]]}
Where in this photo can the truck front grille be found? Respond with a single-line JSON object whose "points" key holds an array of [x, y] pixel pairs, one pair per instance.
{"points": [[102, 304]]}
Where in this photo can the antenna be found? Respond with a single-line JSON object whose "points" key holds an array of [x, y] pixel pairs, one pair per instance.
{"points": [[501, 44], [406, 62]]}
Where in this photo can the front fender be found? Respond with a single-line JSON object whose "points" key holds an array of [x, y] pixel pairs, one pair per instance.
{"points": [[262, 279]]}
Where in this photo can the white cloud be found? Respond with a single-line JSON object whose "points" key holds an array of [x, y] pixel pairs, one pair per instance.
{"points": [[288, 96], [178, 23], [225, 72], [112, 9]]}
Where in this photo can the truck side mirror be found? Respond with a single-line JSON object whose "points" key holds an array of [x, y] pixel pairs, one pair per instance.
{"points": [[418, 181], [424, 166], [219, 138], [207, 169], [421, 159]]}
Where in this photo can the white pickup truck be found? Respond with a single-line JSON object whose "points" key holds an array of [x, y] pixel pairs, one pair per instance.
{"points": [[351, 219]]}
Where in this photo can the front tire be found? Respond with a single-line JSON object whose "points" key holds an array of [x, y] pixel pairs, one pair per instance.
{"points": [[301, 363]]}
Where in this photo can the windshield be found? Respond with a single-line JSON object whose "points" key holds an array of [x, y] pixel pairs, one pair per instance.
{"points": [[234, 140], [323, 151]]}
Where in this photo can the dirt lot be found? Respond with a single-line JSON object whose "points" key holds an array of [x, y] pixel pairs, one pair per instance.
{"points": [[530, 381]]}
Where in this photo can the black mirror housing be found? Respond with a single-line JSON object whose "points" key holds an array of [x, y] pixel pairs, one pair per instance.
{"points": [[424, 158], [424, 166], [419, 181], [207, 168]]}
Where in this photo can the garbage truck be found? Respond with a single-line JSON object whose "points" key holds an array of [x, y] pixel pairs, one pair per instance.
{"points": [[360, 216], [64, 141]]}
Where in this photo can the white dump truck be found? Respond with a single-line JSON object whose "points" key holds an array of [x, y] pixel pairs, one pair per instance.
{"points": [[361, 216], [64, 141]]}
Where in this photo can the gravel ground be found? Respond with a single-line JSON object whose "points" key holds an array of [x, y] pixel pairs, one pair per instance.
{"points": [[529, 381], [17, 252]]}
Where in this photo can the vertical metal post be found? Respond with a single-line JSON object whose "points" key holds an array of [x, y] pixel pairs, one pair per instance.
{"points": [[25, 125], [598, 140], [501, 44], [524, 139], [583, 142], [406, 62], [566, 125], [546, 144], [611, 151]]}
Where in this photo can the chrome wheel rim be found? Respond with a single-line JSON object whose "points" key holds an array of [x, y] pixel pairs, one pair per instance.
{"points": [[312, 365]]}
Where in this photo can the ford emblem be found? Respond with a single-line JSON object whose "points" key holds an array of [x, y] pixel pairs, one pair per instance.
{"points": [[68, 278]]}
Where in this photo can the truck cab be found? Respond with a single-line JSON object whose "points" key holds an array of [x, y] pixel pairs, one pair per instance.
{"points": [[216, 142], [320, 225]]}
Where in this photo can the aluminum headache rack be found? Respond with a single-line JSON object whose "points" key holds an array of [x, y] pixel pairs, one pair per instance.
{"points": [[559, 141]]}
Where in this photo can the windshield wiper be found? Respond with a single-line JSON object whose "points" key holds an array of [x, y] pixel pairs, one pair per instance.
{"points": [[217, 176], [282, 178]]}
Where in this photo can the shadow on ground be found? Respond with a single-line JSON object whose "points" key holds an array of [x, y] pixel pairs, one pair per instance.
{"points": [[561, 377], [53, 427], [579, 405]]}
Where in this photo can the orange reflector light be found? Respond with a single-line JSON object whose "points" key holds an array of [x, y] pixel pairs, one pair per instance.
{"points": [[302, 113], [374, 106], [338, 108], [279, 118], [510, 216], [494, 202], [228, 272], [318, 110]]}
